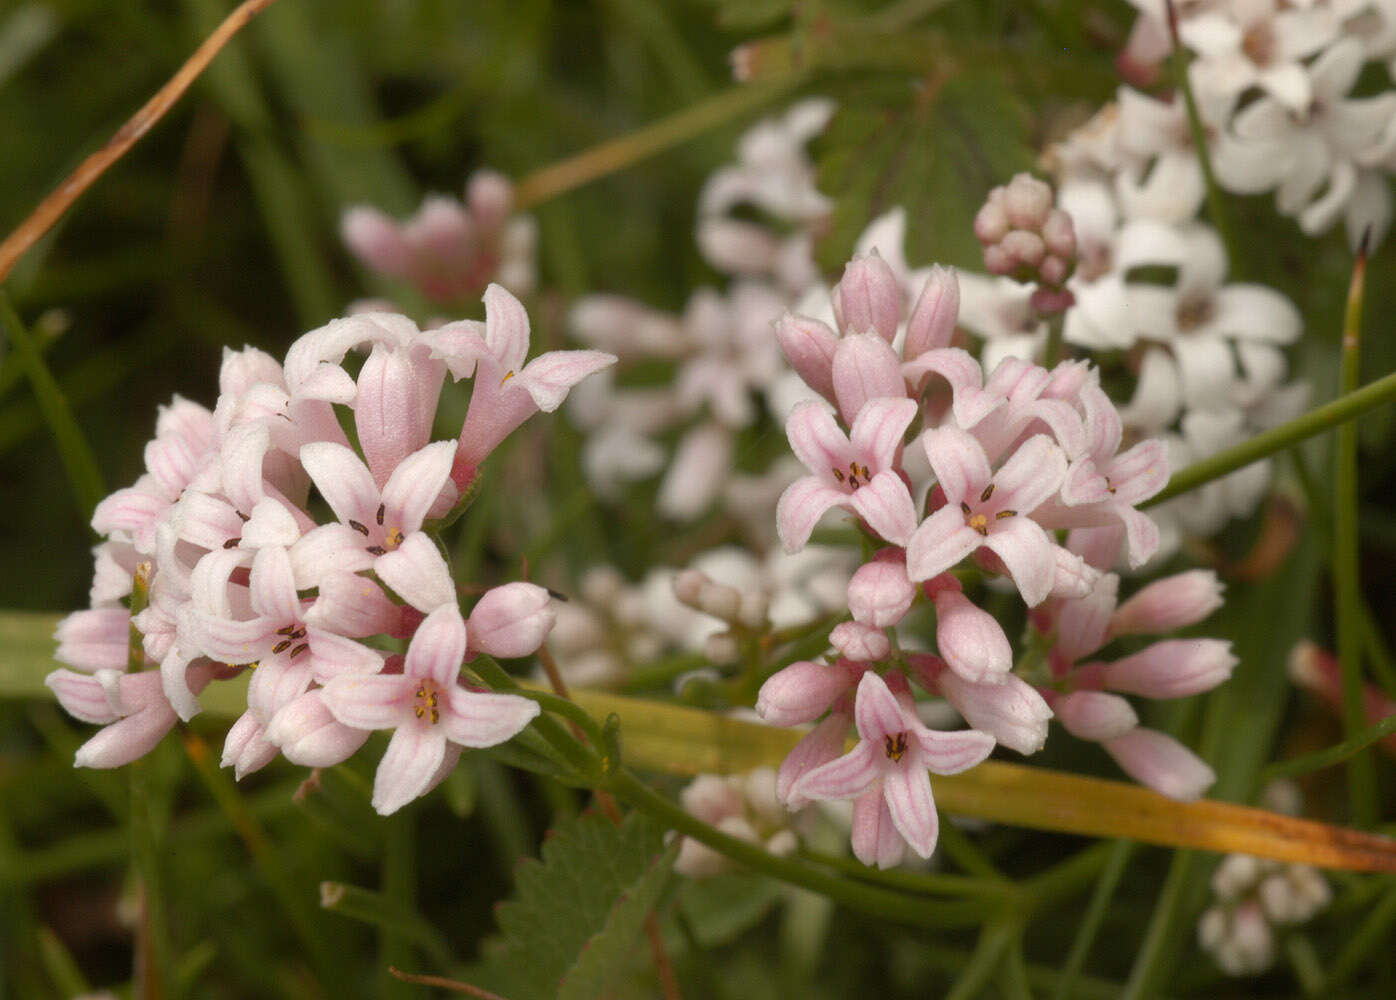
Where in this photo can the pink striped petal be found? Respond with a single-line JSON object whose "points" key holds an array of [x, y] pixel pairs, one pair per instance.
{"points": [[817, 439], [942, 540], [820, 745], [309, 735], [96, 639], [886, 504], [437, 649], [877, 433], [843, 778], [415, 484], [414, 755], [273, 587], [800, 507], [476, 719], [506, 327], [549, 377], [877, 711], [1028, 553], [371, 701], [417, 572], [952, 752], [960, 465], [907, 791], [874, 835], [1033, 473], [332, 655], [343, 480]]}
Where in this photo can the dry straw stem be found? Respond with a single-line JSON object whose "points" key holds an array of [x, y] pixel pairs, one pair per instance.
{"points": [[51, 209]]}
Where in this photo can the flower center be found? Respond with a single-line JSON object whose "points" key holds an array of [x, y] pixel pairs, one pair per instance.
{"points": [[428, 699], [895, 746], [392, 536], [856, 476], [980, 521], [292, 641]]}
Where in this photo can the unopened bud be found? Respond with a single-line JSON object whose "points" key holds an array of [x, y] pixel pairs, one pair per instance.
{"points": [[868, 299]]}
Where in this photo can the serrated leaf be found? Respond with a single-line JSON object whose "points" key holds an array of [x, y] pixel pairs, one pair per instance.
{"points": [[565, 904], [605, 950], [934, 148]]}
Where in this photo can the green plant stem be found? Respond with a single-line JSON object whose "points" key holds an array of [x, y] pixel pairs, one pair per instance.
{"points": [[909, 881], [1329, 756], [995, 938], [1056, 329], [382, 911], [1347, 583], [1115, 864], [1149, 964], [1374, 934], [1341, 410], [617, 154], [153, 949], [874, 900], [398, 874], [78, 460], [1183, 82]]}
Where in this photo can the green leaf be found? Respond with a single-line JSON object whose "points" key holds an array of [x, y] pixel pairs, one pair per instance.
{"points": [[722, 908], [576, 913], [935, 148]]}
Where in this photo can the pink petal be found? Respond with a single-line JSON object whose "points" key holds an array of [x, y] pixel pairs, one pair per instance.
{"points": [[970, 403], [801, 506], [952, 752], [332, 655], [246, 748], [960, 465], [907, 791], [801, 692], [865, 368], [548, 377], [809, 346], [95, 639], [1161, 762], [413, 756], [843, 778], [817, 439], [273, 587], [1030, 476], [393, 411], [416, 483], [822, 744], [275, 684], [877, 712], [877, 432], [1095, 715], [1173, 668], [885, 503], [506, 327], [353, 606], [942, 540], [970, 639], [328, 551], [485, 720], [1171, 603], [1082, 624], [932, 322], [82, 696], [861, 643], [874, 836], [370, 701], [1028, 553], [343, 480], [437, 649], [417, 572], [309, 735], [1010, 710]]}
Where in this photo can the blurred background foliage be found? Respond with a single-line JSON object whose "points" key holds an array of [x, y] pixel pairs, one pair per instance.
{"points": [[219, 230]]}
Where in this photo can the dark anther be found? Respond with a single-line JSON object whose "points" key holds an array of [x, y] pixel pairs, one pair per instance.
{"points": [[231, 543], [358, 527], [381, 511]]}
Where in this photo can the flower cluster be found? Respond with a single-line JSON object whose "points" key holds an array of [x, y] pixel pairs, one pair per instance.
{"points": [[261, 538], [1011, 459], [742, 806], [727, 369], [1273, 84], [450, 251]]}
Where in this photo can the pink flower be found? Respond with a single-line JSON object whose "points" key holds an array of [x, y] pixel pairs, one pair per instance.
{"points": [[880, 593], [868, 298], [886, 774], [131, 708], [990, 509], [431, 715], [510, 621], [856, 471], [804, 691], [506, 390]]}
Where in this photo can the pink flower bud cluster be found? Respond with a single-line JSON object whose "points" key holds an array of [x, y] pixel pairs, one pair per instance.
{"points": [[268, 542], [450, 250], [1087, 694], [1014, 458], [1027, 238], [742, 806]]}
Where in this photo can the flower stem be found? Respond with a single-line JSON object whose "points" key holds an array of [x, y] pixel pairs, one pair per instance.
{"points": [[891, 905], [1341, 410], [617, 154], [1105, 886], [1329, 756], [1183, 82], [78, 460], [1347, 584], [1056, 326]]}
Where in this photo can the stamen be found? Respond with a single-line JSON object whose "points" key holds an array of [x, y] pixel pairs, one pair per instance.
{"points": [[507, 376], [1004, 513], [282, 646], [1108, 485], [286, 630], [988, 492], [964, 508], [838, 475], [358, 527], [299, 650], [232, 543], [377, 550], [895, 746], [395, 537], [979, 523], [245, 518], [382, 509], [419, 711]]}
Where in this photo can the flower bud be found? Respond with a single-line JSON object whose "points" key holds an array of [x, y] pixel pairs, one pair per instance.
{"points": [[879, 593], [310, 736], [510, 621], [932, 322], [861, 643], [1095, 715], [801, 692], [868, 299], [1158, 760], [865, 367], [809, 346], [1008, 709], [1171, 603], [970, 639], [1172, 669]]}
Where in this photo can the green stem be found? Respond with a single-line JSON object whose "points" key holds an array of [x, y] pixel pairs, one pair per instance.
{"points": [[1347, 582], [1183, 83], [1150, 964], [398, 872], [617, 154], [1341, 410], [386, 913], [78, 460], [1329, 756], [153, 949], [585, 761], [1373, 935], [909, 881], [880, 902], [994, 940], [1105, 887], [1056, 329]]}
